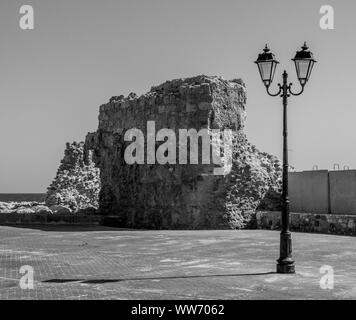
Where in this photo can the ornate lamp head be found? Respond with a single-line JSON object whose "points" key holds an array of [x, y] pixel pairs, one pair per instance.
{"points": [[267, 64], [304, 62]]}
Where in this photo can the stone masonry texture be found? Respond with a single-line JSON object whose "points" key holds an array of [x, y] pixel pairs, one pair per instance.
{"points": [[77, 182], [341, 224], [182, 196]]}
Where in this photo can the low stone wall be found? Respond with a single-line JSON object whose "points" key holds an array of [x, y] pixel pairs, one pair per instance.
{"points": [[57, 219], [308, 222]]}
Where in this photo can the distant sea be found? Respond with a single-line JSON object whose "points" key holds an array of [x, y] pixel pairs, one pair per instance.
{"points": [[17, 197]]}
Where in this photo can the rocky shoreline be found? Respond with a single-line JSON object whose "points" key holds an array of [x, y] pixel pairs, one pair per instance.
{"points": [[32, 207]]}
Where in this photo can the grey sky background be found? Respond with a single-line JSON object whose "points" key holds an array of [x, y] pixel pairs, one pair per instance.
{"points": [[54, 78]]}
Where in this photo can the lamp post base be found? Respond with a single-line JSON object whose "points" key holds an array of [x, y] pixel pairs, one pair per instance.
{"points": [[285, 262], [286, 267]]}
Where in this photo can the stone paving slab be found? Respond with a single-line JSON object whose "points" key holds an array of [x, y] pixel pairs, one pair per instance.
{"points": [[106, 263]]}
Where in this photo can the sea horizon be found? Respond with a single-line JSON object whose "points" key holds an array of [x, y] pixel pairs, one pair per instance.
{"points": [[22, 196]]}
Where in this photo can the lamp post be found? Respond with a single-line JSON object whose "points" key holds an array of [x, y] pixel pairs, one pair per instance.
{"points": [[267, 63]]}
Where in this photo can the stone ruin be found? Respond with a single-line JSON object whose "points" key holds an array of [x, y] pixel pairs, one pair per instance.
{"points": [[182, 196], [77, 182]]}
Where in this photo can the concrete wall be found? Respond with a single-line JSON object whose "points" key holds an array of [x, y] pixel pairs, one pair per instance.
{"points": [[323, 192], [343, 192], [309, 191]]}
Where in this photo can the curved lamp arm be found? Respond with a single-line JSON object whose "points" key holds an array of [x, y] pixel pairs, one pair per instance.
{"points": [[295, 94], [275, 94]]}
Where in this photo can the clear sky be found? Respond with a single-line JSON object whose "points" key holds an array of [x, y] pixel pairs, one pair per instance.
{"points": [[81, 52]]}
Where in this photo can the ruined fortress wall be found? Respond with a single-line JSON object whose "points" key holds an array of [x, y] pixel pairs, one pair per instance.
{"points": [[172, 195]]}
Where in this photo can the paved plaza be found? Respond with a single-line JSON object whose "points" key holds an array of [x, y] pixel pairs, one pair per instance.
{"points": [[105, 263]]}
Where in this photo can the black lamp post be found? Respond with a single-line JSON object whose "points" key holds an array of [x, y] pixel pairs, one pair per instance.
{"points": [[304, 62]]}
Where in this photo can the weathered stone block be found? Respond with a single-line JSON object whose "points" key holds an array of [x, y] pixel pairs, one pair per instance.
{"points": [[181, 196]]}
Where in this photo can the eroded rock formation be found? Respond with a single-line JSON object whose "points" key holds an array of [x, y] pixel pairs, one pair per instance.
{"points": [[186, 196], [77, 183]]}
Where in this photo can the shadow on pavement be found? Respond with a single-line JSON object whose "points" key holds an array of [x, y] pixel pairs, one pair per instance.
{"points": [[99, 281]]}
